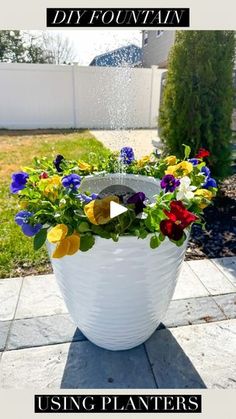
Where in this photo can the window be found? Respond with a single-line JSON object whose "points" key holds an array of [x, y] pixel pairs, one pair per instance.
{"points": [[159, 33], [145, 38]]}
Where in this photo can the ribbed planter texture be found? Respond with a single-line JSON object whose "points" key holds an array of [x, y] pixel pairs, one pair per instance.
{"points": [[117, 293]]}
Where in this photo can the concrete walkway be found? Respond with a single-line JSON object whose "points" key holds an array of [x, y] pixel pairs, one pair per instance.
{"points": [[194, 347], [139, 139]]}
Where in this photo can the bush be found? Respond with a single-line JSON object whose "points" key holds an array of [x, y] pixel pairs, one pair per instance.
{"points": [[197, 101]]}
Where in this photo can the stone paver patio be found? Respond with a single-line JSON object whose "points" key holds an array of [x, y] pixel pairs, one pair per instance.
{"points": [[40, 347]]}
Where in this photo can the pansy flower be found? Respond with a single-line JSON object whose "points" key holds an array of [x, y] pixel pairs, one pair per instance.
{"points": [[170, 160], [169, 183], [194, 161], [43, 175], [22, 219], [203, 197], [65, 245], [19, 181], [209, 181], [179, 170], [143, 161], [84, 166], [50, 186], [138, 200], [71, 182], [202, 152], [98, 210], [127, 155], [87, 198], [57, 162], [185, 190], [178, 219]]}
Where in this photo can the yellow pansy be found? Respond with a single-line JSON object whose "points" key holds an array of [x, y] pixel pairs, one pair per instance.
{"points": [[84, 166], [57, 233], [205, 196], [98, 210], [170, 160], [67, 247], [179, 170], [143, 161], [50, 186]]}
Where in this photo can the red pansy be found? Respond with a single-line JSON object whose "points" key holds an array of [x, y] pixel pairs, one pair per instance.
{"points": [[178, 219], [43, 175], [202, 152]]}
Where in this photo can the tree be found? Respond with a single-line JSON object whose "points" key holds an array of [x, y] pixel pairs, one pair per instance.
{"points": [[12, 47], [58, 49], [197, 101], [35, 47]]}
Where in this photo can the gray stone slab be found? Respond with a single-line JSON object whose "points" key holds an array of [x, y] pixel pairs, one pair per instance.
{"points": [[227, 266], [192, 311], [40, 331], [4, 328], [212, 278], [9, 292], [189, 285], [75, 365], [195, 356], [40, 296], [227, 303]]}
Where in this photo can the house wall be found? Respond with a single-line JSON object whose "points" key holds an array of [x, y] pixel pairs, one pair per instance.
{"points": [[60, 96], [156, 51]]}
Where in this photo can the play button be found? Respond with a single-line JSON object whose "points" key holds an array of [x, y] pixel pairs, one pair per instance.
{"points": [[116, 209]]}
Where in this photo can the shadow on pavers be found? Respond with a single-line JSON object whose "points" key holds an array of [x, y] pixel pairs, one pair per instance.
{"points": [[166, 366], [171, 366]]}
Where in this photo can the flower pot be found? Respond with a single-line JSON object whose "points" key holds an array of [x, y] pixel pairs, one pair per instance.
{"points": [[119, 292]]}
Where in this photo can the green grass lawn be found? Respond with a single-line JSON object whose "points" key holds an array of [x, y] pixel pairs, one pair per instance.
{"points": [[17, 149]]}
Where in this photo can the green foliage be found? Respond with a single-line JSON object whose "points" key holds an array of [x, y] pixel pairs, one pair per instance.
{"points": [[198, 96], [40, 238], [86, 242]]}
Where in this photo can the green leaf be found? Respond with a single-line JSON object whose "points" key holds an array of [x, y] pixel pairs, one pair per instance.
{"points": [[83, 227], [40, 238], [100, 231], [161, 237], [115, 237], [154, 242], [86, 242], [187, 151]]}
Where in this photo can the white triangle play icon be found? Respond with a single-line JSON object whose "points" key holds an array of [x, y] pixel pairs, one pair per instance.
{"points": [[116, 209]]}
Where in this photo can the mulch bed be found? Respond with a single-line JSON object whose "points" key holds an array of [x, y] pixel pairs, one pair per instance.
{"points": [[219, 238]]}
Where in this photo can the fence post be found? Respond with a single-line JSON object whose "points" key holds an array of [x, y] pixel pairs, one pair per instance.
{"points": [[155, 96], [75, 94]]}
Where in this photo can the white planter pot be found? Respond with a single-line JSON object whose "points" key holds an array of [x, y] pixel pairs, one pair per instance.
{"points": [[118, 293]]}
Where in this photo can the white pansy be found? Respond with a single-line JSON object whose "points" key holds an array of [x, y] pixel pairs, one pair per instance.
{"points": [[142, 215], [185, 190]]}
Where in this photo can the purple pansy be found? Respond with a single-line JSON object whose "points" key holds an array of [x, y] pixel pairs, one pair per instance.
{"points": [[19, 181], [169, 183], [209, 181], [194, 161], [127, 155], [59, 158], [206, 171], [138, 200], [87, 198], [22, 219], [71, 181]]}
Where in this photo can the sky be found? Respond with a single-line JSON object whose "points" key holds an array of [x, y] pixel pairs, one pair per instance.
{"points": [[89, 43]]}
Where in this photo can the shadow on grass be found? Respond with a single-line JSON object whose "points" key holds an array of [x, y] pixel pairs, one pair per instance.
{"points": [[51, 131], [167, 366]]}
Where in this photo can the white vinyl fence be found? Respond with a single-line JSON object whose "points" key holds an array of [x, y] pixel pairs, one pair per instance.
{"points": [[63, 96]]}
